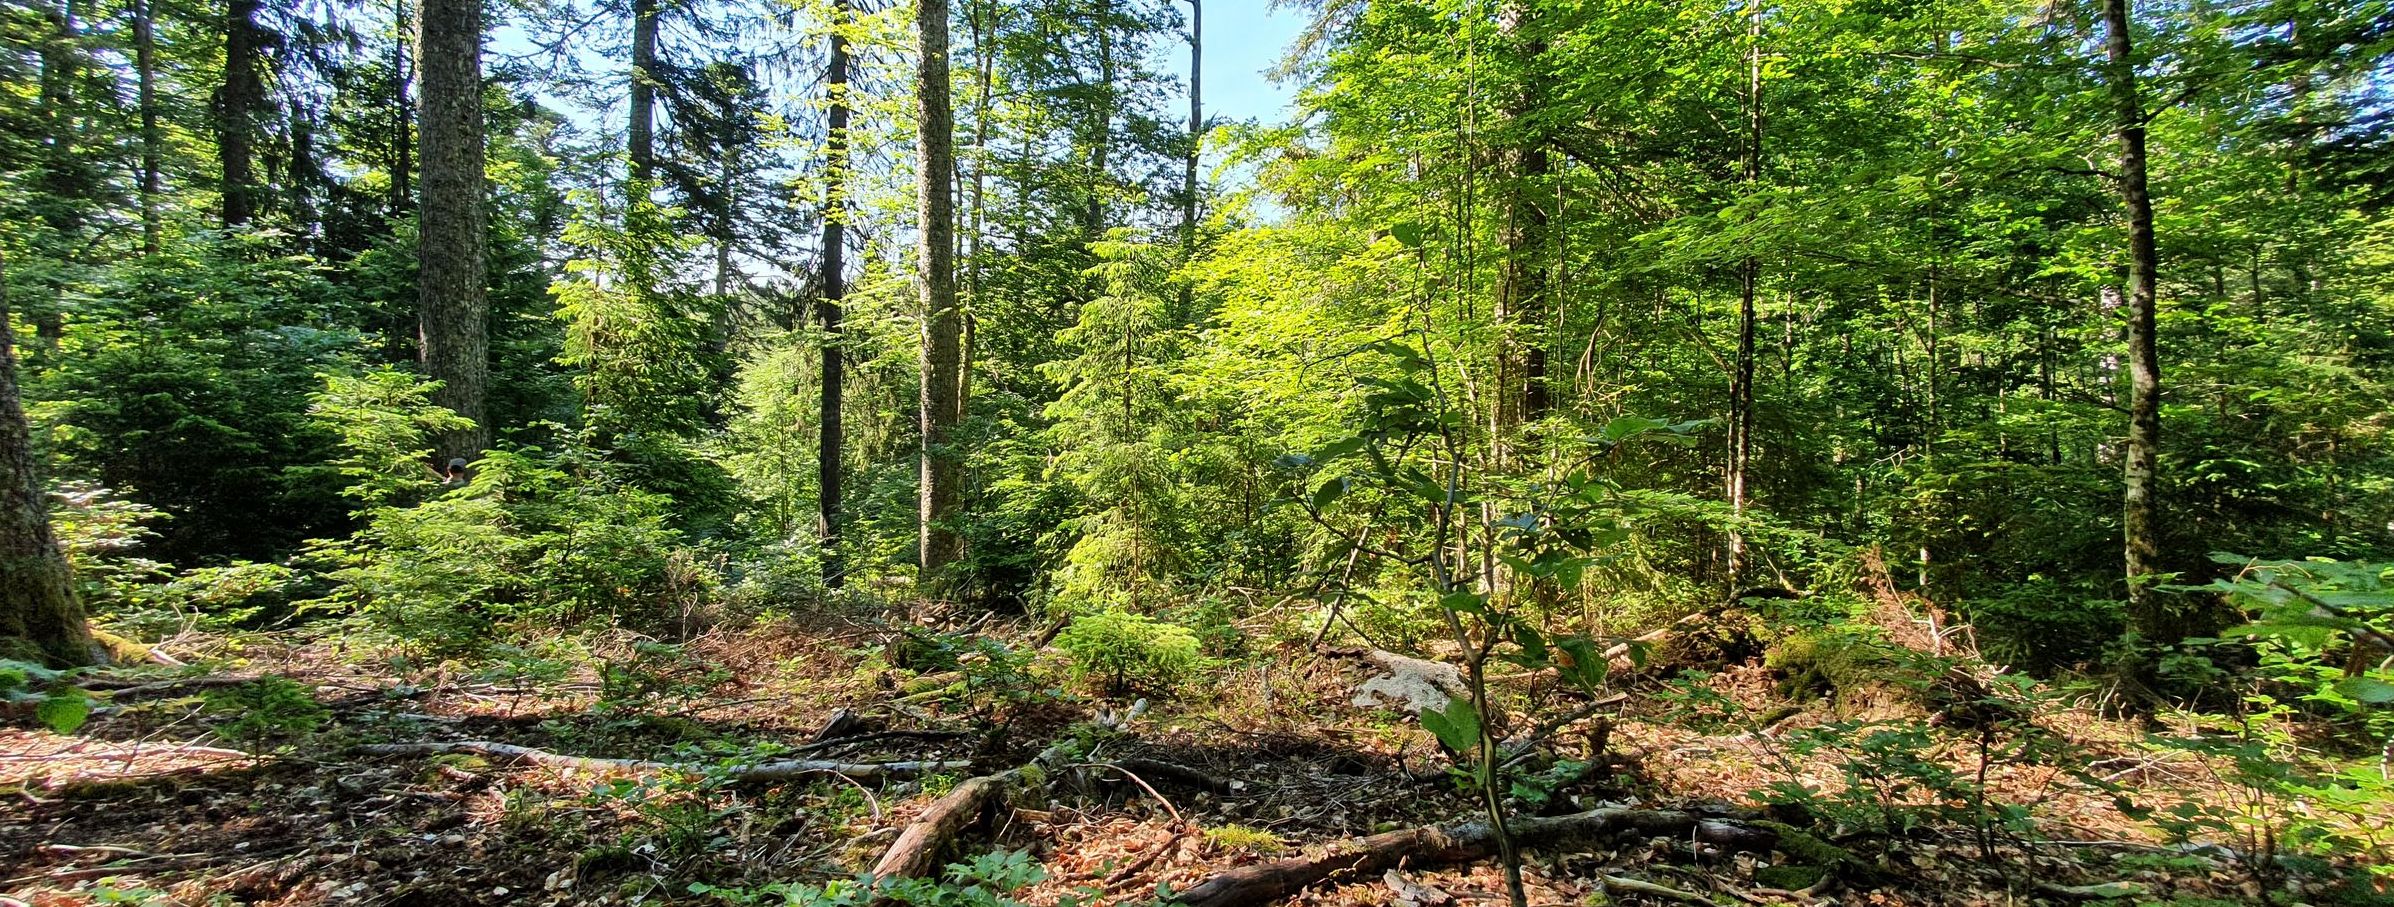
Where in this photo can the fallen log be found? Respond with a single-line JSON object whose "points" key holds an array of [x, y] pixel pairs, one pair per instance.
{"points": [[1265, 883], [916, 852], [763, 771]]}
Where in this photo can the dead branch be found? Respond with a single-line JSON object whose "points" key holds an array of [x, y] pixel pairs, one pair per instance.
{"points": [[764, 771], [1263, 883], [916, 852]]}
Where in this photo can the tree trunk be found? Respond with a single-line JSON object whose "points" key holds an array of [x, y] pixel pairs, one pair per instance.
{"points": [[153, 141], [1741, 381], [1521, 290], [1188, 176], [830, 307], [452, 300], [39, 614], [402, 143], [2148, 613], [240, 103], [1101, 147], [935, 154], [640, 138]]}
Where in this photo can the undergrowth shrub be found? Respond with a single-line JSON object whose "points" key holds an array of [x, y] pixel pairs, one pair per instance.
{"points": [[267, 710], [1120, 653], [2042, 625], [989, 880]]}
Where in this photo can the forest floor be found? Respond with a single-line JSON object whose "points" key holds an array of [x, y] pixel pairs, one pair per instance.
{"points": [[188, 788]]}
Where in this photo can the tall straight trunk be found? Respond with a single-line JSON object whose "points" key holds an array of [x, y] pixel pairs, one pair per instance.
{"points": [[153, 141], [452, 298], [1521, 283], [2148, 613], [1093, 217], [239, 105], [1188, 175], [830, 307], [943, 348], [64, 173], [640, 137], [40, 616], [402, 142], [1741, 381]]}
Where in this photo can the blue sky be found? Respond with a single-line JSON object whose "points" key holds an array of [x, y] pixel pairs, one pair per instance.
{"points": [[1243, 38]]}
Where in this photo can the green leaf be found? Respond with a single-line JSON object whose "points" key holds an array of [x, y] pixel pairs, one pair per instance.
{"points": [[1338, 448], [1626, 427], [1408, 233], [1582, 663], [1464, 601], [2366, 689], [64, 711], [1329, 493], [1458, 726]]}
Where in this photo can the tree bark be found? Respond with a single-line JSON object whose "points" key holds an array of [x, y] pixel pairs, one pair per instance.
{"points": [[39, 611], [640, 136], [1188, 176], [1741, 382], [1101, 147], [402, 143], [153, 141], [239, 105], [831, 305], [452, 295], [942, 363], [2148, 613], [1521, 290]]}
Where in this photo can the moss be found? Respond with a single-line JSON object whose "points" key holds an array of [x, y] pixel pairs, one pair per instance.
{"points": [[1789, 876], [1804, 848], [1242, 838], [119, 649], [1855, 669]]}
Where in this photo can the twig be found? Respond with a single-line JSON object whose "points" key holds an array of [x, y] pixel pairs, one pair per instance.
{"points": [[1661, 891], [1177, 821]]}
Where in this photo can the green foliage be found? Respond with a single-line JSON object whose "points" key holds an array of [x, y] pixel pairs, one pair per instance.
{"points": [[988, 880], [268, 710], [1123, 654], [52, 695], [386, 421], [534, 537]]}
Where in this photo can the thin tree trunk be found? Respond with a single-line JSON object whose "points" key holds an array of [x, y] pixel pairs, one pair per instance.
{"points": [[1521, 291], [453, 300], [39, 614], [239, 104], [1188, 176], [1093, 218], [2147, 612], [941, 545], [402, 142], [145, 68], [640, 137], [830, 306], [1741, 383]]}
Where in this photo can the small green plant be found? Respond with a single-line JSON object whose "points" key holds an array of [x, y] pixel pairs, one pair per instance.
{"points": [[989, 880], [52, 695], [271, 709], [1122, 654]]}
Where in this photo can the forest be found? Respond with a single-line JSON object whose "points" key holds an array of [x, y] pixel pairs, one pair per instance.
{"points": [[993, 453]]}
